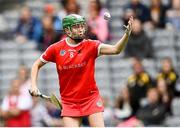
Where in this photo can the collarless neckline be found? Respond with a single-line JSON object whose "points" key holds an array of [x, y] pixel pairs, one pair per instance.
{"points": [[72, 45]]}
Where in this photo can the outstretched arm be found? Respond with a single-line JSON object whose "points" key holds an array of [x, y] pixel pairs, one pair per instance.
{"points": [[106, 49]]}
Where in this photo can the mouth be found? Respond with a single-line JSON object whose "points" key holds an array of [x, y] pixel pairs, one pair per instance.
{"points": [[81, 34]]}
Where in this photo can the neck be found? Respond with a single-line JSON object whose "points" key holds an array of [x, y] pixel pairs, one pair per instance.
{"points": [[73, 41]]}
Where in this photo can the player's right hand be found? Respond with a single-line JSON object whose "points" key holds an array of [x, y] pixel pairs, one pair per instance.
{"points": [[34, 92]]}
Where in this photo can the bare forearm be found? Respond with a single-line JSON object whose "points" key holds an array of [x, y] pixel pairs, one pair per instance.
{"points": [[14, 112], [119, 46], [123, 41], [34, 74]]}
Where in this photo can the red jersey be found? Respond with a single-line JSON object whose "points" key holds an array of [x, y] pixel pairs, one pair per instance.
{"points": [[75, 67]]}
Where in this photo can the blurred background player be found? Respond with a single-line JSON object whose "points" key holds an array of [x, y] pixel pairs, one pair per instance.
{"points": [[49, 10], [138, 84], [153, 113], [28, 27], [16, 107], [166, 95], [49, 34], [168, 73], [140, 45], [96, 23], [123, 106], [173, 16]]}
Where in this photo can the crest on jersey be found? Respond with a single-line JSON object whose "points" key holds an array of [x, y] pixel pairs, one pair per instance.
{"points": [[99, 103], [62, 52]]}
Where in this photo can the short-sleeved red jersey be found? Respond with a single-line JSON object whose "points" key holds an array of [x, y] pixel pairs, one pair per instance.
{"points": [[75, 66]]}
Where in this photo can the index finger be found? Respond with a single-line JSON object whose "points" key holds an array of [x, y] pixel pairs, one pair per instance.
{"points": [[131, 18]]}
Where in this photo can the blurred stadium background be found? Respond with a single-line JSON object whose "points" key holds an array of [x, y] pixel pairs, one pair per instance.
{"points": [[112, 72]]}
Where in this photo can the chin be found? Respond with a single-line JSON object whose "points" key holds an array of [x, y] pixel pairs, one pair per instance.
{"points": [[78, 40]]}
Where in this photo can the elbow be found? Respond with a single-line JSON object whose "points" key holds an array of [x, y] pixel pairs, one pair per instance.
{"points": [[117, 51], [36, 65]]}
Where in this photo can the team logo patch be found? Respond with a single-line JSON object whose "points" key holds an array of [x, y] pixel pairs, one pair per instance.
{"points": [[99, 103], [59, 67], [62, 52]]}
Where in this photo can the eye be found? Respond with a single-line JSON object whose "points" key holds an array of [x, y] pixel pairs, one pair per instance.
{"points": [[75, 26], [81, 25]]}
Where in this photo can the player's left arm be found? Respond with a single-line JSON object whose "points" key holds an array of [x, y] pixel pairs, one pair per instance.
{"points": [[106, 49], [14, 112]]}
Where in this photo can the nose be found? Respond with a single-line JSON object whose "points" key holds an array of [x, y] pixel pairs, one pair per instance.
{"points": [[81, 29]]}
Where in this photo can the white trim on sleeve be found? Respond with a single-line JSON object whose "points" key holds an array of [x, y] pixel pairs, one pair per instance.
{"points": [[99, 48], [43, 60]]}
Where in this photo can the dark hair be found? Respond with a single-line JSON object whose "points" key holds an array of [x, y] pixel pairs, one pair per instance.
{"points": [[137, 59], [167, 58], [154, 89], [99, 5], [171, 62]]}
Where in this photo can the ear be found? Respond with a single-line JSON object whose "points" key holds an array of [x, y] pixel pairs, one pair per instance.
{"points": [[67, 31]]}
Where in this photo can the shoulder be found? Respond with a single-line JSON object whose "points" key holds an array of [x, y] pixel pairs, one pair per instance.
{"points": [[170, 13], [143, 6], [35, 19], [172, 76], [131, 78], [145, 77], [89, 41], [160, 75], [58, 44], [145, 74], [54, 48]]}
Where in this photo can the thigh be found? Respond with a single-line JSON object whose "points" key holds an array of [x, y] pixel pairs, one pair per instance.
{"points": [[96, 120], [71, 121]]}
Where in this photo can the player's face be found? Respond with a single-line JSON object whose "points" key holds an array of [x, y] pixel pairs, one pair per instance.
{"points": [[166, 66], [161, 86], [15, 86], [152, 96], [137, 68], [79, 30]]}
